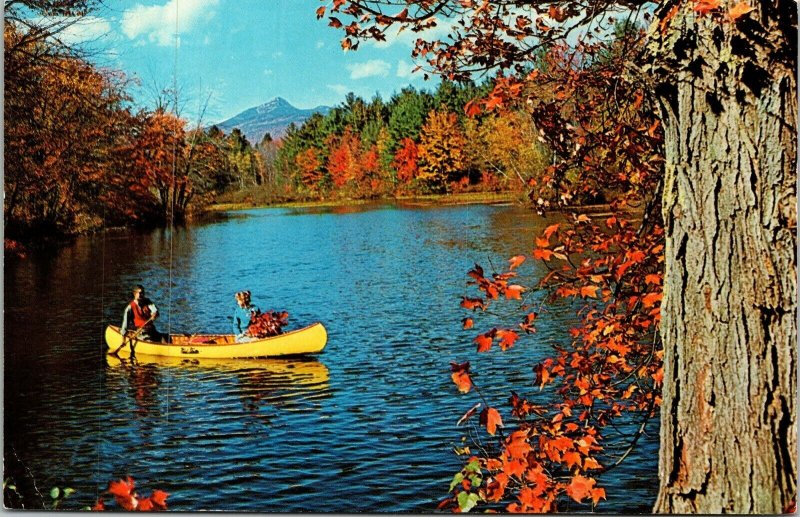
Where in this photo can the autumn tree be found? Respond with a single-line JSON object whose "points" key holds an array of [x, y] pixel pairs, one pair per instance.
{"points": [[244, 163], [373, 180], [76, 157], [180, 168], [65, 121], [508, 146], [405, 160], [344, 159], [723, 75], [268, 150], [310, 167], [160, 144], [441, 150]]}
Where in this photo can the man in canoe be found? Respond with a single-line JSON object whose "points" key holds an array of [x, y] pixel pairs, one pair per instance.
{"points": [[139, 316]]}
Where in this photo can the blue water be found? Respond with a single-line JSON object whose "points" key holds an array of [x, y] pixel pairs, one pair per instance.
{"points": [[369, 425]]}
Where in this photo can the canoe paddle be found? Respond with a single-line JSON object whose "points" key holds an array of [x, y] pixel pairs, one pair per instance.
{"points": [[134, 336]]}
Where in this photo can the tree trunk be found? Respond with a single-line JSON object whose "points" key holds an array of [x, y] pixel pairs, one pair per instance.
{"points": [[728, 98]]}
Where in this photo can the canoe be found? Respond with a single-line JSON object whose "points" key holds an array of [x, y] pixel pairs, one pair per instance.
{"points": [[308, 340]]}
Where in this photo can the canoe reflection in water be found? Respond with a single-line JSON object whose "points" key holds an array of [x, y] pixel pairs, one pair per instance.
{"points": [[207, 386]]}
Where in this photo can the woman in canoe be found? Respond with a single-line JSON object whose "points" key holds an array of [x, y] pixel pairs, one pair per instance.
{"points": [[242, 316], [139, 316]]}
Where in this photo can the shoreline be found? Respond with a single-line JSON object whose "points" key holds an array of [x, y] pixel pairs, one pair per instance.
{"points": [[421, 201], [468, 198]]}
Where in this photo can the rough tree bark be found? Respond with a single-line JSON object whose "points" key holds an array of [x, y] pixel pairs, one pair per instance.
{"points": [[729, 108]]}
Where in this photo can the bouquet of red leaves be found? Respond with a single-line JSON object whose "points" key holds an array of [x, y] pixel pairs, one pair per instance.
{"points": [[266, 324]]}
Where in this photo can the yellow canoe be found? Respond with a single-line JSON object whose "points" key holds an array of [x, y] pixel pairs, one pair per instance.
{"points": [[308, 340]]}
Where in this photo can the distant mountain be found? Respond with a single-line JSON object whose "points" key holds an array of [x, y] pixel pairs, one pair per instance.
{"points": [[273, 118]]}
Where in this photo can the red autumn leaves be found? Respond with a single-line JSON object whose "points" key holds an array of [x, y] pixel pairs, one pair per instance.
{"points": [[505, 338], [711, 7], [127, 499], [266, 324], [554, 451], [460, 376]]}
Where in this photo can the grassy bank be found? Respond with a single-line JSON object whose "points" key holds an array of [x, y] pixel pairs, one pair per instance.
{"points": [[465, 198]]}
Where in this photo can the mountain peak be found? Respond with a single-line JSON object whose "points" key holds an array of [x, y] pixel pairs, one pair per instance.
{"points": [[272, 117], [275, 104]]}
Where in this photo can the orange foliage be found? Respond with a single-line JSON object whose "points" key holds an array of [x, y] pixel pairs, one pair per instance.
{"points": [[441, 150], [614, 269], [309, 164], [344, 160], [127, 499]]}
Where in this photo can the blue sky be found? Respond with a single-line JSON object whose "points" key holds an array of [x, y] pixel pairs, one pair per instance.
{"points": [[242, 53]]}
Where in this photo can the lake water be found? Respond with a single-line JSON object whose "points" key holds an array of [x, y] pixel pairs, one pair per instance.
{"points": [[369, 425]]}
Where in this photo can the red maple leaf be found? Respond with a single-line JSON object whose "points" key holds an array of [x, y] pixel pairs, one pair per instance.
{"points": [[649, 300], [516, 260], [653, 279], [145, 505], [557, 13], [128, 502], [484, 341], [571, 458], [514, 292], [99, 506], [580, 488], [514, 467], [703, 7], [598, 493], [159, 498], [490, 418], [507, 338], [461, 377], [121, 488], [472, 303], [542, 375], [471, 109], [496, 487], [591, 463], [494, 101], [518, 446], [550, 230], [739, 10]]}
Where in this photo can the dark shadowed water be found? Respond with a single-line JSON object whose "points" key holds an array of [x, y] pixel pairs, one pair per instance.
{"points": [[368, 425]]}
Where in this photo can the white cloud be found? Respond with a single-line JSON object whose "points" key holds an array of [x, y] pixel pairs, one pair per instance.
{"points": [[405, 70], [73, 31], [371, 68], [87, 29], [158, 22], [320, 44], [339, 88], [277, 54], [268, 72]]}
